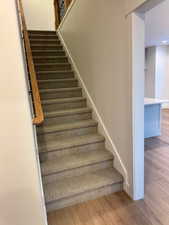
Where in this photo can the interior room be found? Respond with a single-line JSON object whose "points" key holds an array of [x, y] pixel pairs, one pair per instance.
{"points": [[157, 72], [156, 102]]}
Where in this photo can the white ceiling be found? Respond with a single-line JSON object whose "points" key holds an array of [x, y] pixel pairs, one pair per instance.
{"points": [[157, 24]]}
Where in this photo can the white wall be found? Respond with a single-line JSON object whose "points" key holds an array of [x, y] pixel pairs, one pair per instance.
{"points": [[39, 14], [150, 72], [100, 54], [141, 5], [157, 24], [131, 5], [162, 73], [20, 194]]}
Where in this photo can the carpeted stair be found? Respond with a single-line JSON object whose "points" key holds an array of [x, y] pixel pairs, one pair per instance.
{"points": [[74, 162]]}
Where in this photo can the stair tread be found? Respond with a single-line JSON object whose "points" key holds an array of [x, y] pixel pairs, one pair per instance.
{"points": [[63, 100], [59, 89], [47, 50], [67, 112], [77, 185], [43, 34], [50, 57], [46, 44], [67, 126], [54, 72], [51, 64], [57, 80], [75, 160], [43, 39], [32, 33], [52, 37], [70, 142], [42, 31]]}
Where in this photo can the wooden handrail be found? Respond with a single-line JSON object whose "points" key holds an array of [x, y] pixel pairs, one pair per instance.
{"points": [[57, 10], [57, 13], [67, 3], [39, 116]]}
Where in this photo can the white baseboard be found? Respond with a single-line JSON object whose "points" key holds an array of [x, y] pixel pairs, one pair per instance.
{"points": [[118, 164]]}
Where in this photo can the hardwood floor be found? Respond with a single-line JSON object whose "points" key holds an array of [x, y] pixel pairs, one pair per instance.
{"points": [[119, 209]]}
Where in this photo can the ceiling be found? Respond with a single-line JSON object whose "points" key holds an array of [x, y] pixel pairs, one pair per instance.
{"points": [[157, 25]]}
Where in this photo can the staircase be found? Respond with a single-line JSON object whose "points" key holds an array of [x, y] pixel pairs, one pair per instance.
{"points": [[74, 162]]}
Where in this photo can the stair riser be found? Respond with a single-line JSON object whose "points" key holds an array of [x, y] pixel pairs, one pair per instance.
{"points": [[60, 75], [47, 47], [62, 106], [51, 60], [77, 171], [45, 41], [67, 118], [58, 84], [53, 67], [91, 195], [67, 151], [43, 36], [66, 133], [42, 32], [64, 94], [48, 53]]}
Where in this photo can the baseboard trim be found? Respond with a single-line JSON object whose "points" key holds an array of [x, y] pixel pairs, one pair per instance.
{"points": [[118, 163]]}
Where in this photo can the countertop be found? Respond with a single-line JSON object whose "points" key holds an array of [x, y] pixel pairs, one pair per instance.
{"points": [[153, 101]]}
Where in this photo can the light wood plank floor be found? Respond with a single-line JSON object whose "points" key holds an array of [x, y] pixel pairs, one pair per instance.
{"points": [[118, 209]]}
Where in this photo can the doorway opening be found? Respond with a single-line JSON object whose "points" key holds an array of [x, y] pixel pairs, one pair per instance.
{"points": [[153, 20], [156, 129]]}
